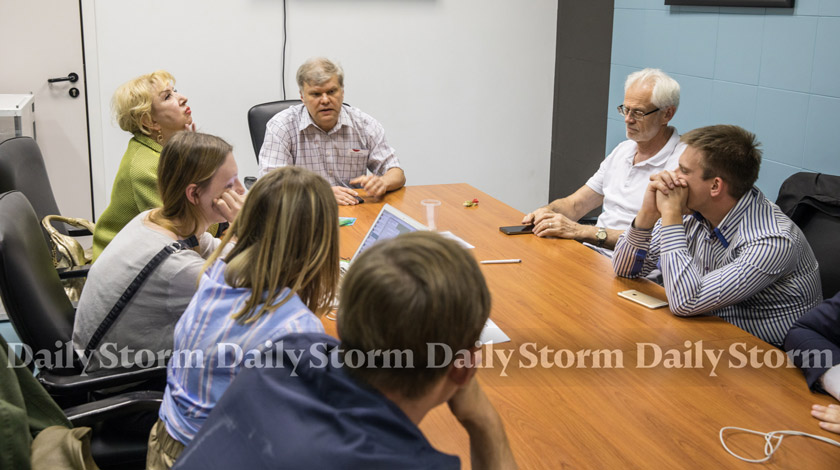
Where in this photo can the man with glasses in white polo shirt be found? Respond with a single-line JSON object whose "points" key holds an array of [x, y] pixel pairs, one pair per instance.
{"points": [[651, 99]]}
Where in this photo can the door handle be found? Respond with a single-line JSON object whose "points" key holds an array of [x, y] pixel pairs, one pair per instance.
{"points": [[71, 77]]}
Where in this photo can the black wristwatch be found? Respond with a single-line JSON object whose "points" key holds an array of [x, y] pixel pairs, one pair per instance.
{"points": [[601, 236]]}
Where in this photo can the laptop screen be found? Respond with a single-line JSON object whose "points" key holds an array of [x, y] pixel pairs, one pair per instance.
{"points": [[388, 224]]}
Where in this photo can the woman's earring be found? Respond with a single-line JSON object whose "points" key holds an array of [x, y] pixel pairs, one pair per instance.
{"points": [[159, 138]]}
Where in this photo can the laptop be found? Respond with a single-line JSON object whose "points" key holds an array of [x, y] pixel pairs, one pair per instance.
{"points": [[388, 224]]}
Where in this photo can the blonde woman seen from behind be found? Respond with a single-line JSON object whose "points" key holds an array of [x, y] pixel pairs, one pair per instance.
{"points": [[280, 277]]}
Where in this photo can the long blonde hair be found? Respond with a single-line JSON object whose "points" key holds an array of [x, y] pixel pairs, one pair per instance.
{"points": [[287, 236]]}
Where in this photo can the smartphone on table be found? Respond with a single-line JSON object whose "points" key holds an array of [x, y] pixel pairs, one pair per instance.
{"points": [[517, 229], [643, 299]]}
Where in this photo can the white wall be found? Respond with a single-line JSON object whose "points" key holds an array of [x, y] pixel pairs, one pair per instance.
{"points": [[464, 88]]}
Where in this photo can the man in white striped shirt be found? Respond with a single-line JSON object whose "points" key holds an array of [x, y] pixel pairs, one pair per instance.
{"points": [[332, 139], [724, 249]]}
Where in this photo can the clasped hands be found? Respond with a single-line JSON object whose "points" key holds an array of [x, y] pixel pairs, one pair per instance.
{"points": [[665, 198], [373, 185]]}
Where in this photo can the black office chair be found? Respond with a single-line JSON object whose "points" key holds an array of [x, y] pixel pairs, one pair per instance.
{"points": [[28, 409], [812, 201], [258, 117], [22, 168], [42, 315]]}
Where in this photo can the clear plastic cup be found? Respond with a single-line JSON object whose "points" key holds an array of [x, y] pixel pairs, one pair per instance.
{"points": [[431, 206]]}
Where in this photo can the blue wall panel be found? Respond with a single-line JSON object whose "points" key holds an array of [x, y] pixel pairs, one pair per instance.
{"points": [[695, 45], [829, 8], [695, 107], [807, 7], [788, 52], [822, 139], [738, 51], [775, 72], [826, 77], [658, 25], [628, 24], [734, 103], [780, 124]]}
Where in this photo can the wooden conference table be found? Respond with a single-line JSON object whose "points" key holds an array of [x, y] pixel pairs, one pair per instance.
{"points": [[559, 409]]}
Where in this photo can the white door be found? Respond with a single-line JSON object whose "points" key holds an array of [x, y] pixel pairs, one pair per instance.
{"points": [[42, 39]]}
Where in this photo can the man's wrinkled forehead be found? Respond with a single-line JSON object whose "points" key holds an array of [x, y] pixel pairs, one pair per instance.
{"points": [[322, 83]]}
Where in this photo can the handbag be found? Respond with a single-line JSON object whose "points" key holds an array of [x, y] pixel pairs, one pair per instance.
{"points": [[67, 252]]}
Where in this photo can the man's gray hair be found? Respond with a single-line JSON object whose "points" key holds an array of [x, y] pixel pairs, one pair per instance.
{"points": [[666, 90], [317, 71]]}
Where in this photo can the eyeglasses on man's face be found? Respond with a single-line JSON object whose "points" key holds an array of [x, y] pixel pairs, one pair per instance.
{"points": [[636, 114]]}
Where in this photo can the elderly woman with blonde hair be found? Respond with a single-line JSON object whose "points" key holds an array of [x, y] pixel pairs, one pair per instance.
{"points": [[152, 110]]}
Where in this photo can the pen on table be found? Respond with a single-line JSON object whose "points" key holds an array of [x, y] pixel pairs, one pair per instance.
{"points": [[501, 261]]}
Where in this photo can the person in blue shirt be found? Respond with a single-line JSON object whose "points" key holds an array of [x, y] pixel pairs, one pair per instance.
{"points": [[279, 277], [318, 403]]}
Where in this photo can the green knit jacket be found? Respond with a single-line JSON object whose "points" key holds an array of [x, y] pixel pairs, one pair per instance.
{"points": [[135, 190]]}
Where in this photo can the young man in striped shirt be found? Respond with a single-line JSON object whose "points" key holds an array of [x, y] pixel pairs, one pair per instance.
{"points": [[724, 249]]}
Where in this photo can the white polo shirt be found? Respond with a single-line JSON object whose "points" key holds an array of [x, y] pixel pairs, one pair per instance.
{"points": [[623, 184]]}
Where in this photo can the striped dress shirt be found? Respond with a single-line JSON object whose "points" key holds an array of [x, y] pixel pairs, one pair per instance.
{"points": [[355, 145], [755, 270], [211, 348]]}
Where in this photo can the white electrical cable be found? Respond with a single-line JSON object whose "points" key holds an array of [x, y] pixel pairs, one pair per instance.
{"points": [[770, 446]]}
